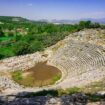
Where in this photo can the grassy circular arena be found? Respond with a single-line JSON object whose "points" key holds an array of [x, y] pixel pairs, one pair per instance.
{"points": [[38, 76]]}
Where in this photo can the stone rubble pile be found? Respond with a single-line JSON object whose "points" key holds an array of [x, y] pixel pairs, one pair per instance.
{"points": [[6, 83], [75, 99], [93, 36], [21, 62]]}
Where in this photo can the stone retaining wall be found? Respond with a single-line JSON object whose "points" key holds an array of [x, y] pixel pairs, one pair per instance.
{"points": [[21, 62]]}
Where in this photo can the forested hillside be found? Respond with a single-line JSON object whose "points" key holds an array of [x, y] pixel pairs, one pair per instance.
{"points": [[19, 36]]}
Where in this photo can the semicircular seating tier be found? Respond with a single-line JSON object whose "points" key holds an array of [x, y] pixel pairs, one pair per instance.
{"points": [[82, 63]]}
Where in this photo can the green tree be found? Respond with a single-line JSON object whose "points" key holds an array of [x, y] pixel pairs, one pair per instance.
{"points": [[21, 48], [85, 24], [96, 25], [35, 46], [1, 56], [1, 32]]}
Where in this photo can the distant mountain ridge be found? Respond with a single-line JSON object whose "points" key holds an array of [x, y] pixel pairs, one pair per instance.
{"points": [[67, 21], [55, 21], [13, 18], [9, 19], [101, 20]]}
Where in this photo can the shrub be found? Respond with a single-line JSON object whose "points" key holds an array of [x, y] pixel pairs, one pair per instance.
{"points": [[21, 48], [55, 79], [17, 75]]}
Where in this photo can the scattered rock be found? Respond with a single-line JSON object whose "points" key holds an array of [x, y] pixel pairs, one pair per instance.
{"points": [[101, 93]]}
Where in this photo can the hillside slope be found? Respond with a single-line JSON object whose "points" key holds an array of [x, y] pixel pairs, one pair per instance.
{"points": [[12, 18], [80, 57]]}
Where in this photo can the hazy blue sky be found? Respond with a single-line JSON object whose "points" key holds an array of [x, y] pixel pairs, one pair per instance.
{"points": [[53, 9]]}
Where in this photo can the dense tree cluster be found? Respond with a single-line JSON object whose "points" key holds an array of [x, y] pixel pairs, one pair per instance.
{"points": [[18, 38], [1, 32]]}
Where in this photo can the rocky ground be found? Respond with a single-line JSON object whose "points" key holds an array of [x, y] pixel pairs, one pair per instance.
{"points": [[74, 99]]}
